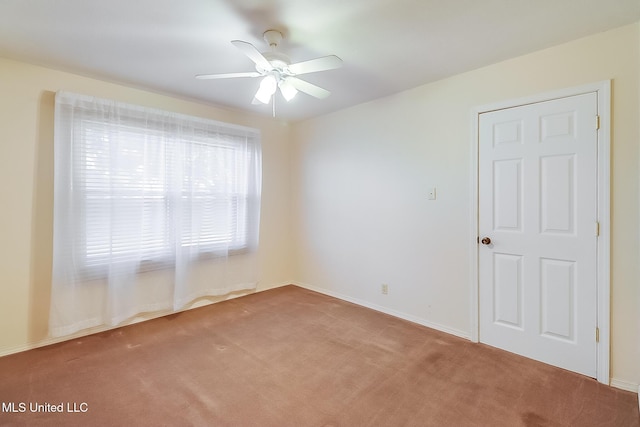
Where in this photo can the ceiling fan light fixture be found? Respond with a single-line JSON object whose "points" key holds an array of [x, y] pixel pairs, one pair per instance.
{"points": [[268, 87], [287, 90], [276, 71]]}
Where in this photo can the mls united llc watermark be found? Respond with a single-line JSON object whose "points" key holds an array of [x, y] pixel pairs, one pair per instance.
{"points": [[21, 407]]}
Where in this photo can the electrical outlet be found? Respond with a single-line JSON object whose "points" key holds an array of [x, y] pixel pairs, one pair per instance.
{"points": [[384, 289]]}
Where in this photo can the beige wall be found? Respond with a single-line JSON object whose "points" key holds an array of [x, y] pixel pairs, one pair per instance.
{"points": [[26, 184], [360, 179]]}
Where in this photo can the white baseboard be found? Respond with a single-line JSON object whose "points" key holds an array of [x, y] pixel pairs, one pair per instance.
{"points": [[386, 310], [625, 385], [201, 302], [617, 383], [5, 351], [262, 288]]}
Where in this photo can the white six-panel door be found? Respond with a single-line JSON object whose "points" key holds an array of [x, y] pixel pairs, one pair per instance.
{"points": [[537, 186]]}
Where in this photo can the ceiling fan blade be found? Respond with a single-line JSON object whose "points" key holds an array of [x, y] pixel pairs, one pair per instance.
{"points": [[253, 54], [308, 88], [227, 75], [319, 64]]}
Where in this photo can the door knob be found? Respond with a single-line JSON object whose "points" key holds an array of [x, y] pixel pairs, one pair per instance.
{"points": [[485, 241]]}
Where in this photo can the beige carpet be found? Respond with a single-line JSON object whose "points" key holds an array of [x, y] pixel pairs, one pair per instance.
{"points": [[292, 357]]}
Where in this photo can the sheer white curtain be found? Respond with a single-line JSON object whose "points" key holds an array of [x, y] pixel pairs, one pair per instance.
{"points": [[151, 210]]}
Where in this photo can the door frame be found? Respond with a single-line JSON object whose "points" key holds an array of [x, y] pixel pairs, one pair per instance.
{"points": [[603, 262]]}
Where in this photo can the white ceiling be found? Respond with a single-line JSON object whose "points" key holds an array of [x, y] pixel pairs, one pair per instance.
{"points": [[387, 45]]}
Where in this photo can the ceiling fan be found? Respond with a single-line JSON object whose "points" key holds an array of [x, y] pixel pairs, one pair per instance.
{"points": [[278, 72]]}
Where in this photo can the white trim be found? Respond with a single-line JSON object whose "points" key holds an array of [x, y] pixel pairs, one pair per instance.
{"points": [[603, 91], [625, 385], [385, 310], [473, 221], [200, 302], [273, 286], [604, 241]]}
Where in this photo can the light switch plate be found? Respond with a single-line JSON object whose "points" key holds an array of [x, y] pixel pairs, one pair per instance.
{"points": [[431, 194]]}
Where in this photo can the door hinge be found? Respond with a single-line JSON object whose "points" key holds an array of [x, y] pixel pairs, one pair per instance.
{"points": [[597, 334], [597, 122], [597, 229]]}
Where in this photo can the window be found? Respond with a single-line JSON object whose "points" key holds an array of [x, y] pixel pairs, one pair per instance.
{"points": [[153, 182], [151, 211], [145, 185]]}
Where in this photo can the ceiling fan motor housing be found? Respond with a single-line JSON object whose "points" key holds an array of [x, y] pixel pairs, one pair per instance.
{"points": [[272, 37], [279, 61]]}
